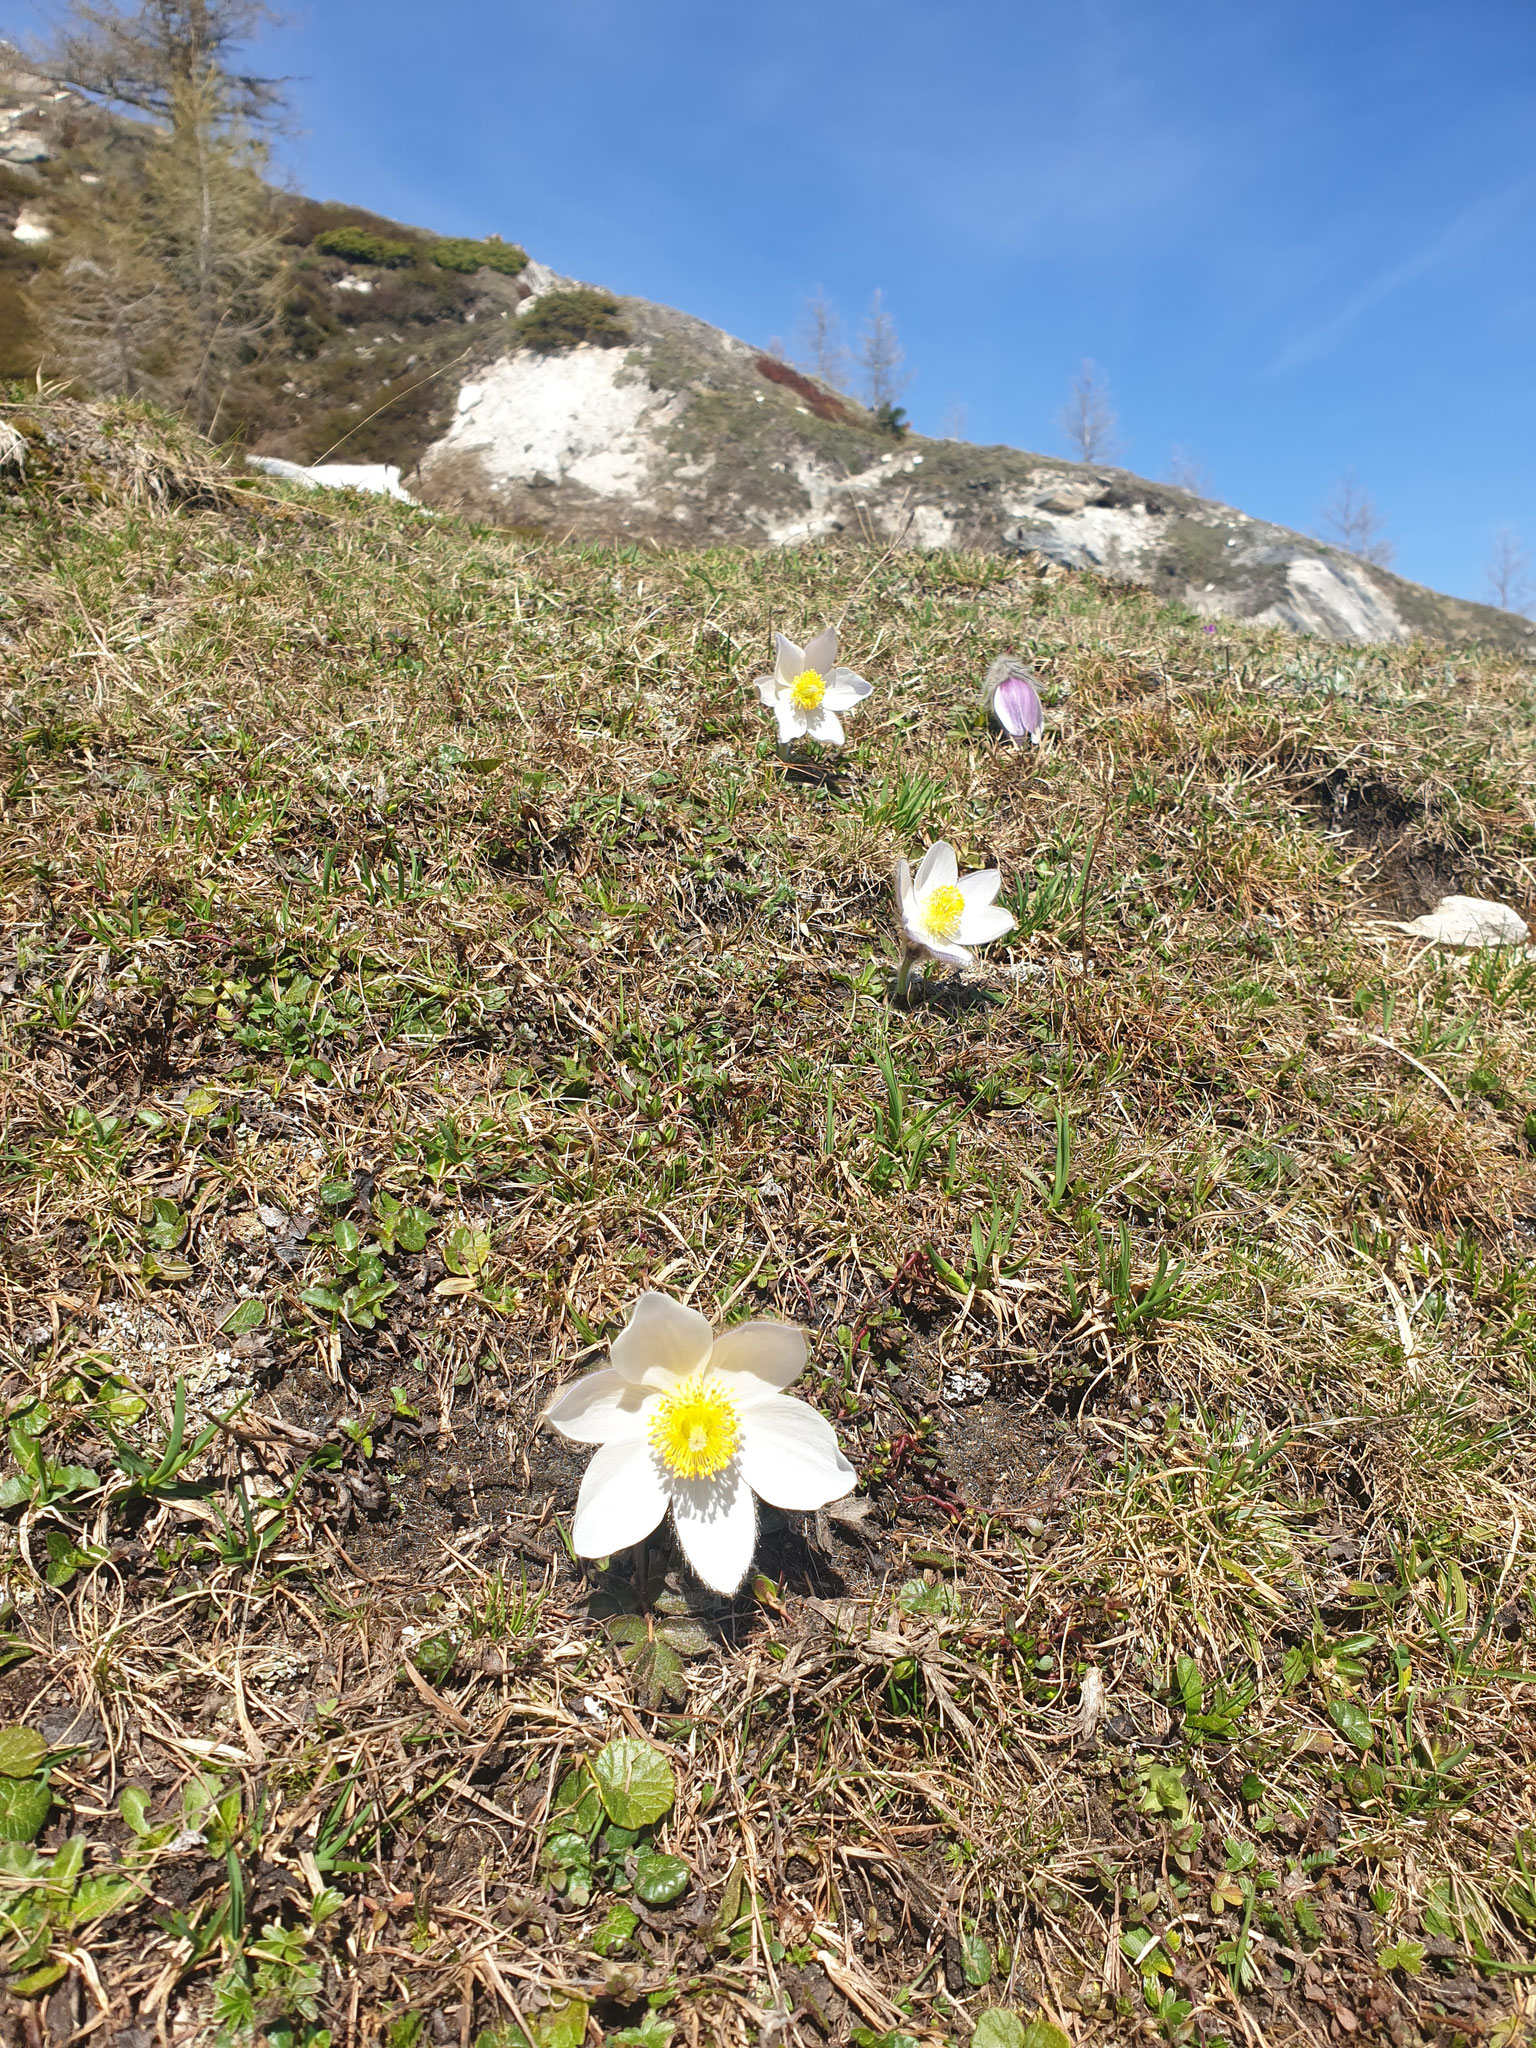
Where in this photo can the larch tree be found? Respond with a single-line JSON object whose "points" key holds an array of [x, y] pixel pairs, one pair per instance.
{"points": [[170, 270], [1088, 418], [1352, 522]]}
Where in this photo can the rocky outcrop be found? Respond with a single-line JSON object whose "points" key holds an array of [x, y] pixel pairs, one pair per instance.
{"points": [[690, 434]]}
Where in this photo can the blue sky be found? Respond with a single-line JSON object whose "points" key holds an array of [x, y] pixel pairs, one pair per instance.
{"points": [[1298, 239]]}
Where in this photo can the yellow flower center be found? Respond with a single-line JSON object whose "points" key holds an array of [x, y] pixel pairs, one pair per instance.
{"points": [[695, 1430], [943, 909], [807, 690]]}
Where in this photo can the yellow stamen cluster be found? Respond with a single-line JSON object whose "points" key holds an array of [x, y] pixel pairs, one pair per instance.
{"points": [[807, 690], [943, 909], [696, 1429]]}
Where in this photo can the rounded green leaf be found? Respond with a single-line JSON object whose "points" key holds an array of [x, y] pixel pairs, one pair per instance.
{"points": [[976, 1959], [1352, 1722], [635, 1782], [998, 2028], [21, 1752], [616, 1930], [1041, 2034], [25, 1804], [243, 1317], [659, 1879]]}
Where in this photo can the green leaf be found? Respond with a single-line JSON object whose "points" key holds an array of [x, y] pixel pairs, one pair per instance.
{"points": [[243, 1317], [21, 1752], [15, 1491], [466, 1250], [616, 1930], [322, 1298], [411, 1229], [659, 1879], [1352, 1722], [563, 2026], [1294, 1666], [689, 1638], [97, 1896], [1407, 1956], [25, 1804], [998, 2028], [347, 1237], [576, 1802], [1190, 1684], [334, 1192], [658, 1673], [634, 1781], [652, 2032], [201, 1102], [1041, 2034], [37, 1981], [976, 1960], [133, 1804]]}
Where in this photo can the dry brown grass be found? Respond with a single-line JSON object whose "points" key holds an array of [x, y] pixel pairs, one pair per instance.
{"points": [[351, 856]]}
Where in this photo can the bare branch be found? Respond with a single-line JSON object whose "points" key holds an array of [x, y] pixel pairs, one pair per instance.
{"points": [[141, 56], [1188, 473], [881, 358], [1507, 579], [822, 351], [1351, 521], [1088, 419]]}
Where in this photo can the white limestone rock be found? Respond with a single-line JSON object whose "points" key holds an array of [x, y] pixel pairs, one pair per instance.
{"points": [[1469, 922]]}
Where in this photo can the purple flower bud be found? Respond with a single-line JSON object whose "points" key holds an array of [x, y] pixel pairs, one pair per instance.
{"points": [[1016, 707]]}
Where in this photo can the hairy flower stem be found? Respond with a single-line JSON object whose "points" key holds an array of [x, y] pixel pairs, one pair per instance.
{"points": [[905, 967]]}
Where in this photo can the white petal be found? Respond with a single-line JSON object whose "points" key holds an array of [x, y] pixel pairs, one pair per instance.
{"points": [[821, 655], [988, 921], [768, 689], [939, 870], [716, 1523], [599, 1408], [951, 956], [980, 887], [662, 1341], [849, 689], [792, 720], [823, 724], [789, 661], [621, 1500], [761, 1359], [789, 1455]]}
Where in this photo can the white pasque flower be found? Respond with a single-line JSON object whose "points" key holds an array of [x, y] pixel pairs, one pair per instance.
{"points": [[807, 690], [698, 1423], [943, 913]]}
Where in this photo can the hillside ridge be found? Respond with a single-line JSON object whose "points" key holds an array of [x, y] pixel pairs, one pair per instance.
{"points": [[675, 432]]}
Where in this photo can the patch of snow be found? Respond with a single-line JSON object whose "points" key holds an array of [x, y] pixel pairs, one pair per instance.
{"points": [[29, 228], [354, 284], [1471, 922], [380, 477], [578, 417]]}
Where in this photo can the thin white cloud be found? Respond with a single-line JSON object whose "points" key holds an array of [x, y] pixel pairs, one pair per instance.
{"points": [[1472, 227]]}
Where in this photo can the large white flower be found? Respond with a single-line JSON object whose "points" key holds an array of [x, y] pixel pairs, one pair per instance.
{"points": [[807, 690], [686, 1420], [944, 913]]}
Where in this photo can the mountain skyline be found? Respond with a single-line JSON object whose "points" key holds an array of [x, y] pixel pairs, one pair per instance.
{"points": [[1296, 249]]}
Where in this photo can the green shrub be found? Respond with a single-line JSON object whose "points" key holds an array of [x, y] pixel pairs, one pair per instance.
{"points": [[562, 319], [891, 419], [492, 254], [361, 245]]}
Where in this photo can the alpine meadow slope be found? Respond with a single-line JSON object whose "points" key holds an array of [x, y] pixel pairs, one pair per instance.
{"points": [[415, 947]]}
